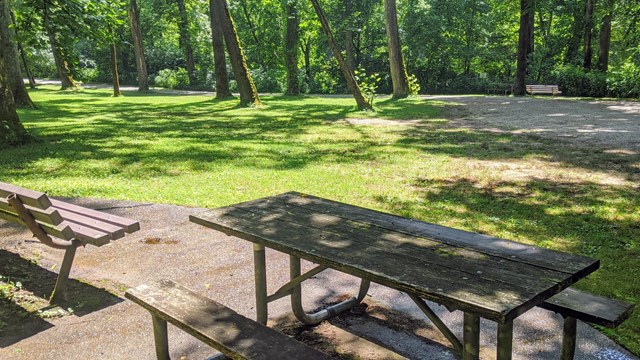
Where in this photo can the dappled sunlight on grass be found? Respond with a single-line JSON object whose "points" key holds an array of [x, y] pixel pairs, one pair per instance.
{"points": [[194, 150]]}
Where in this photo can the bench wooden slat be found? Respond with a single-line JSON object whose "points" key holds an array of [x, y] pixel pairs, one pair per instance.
{"points": [[128, 225], [218, 326], [30, 197], [61, 231], [589, 307], [114, 231], [49, 215], [88, 235]]}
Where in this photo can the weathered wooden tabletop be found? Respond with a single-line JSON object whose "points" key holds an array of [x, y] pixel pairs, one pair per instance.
{"points": [[493, 278]]}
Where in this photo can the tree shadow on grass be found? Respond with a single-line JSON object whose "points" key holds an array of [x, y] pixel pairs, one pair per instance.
{"points": [[24, 308]]}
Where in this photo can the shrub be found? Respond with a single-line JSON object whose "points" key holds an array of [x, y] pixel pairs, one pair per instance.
{"points": [[172, 79], [266, 80]]}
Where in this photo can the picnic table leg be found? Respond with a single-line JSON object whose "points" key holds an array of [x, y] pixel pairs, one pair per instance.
{"points": [[160, 338], [60, 289], [260, 274], [505, 340], [569, 338], [330, 311], [471, 336]]}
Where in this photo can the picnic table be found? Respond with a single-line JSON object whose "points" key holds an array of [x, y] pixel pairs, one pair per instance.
{"points": [[482, 276]]}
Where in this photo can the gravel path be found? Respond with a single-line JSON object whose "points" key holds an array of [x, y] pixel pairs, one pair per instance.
{"points": [[613, 125]]}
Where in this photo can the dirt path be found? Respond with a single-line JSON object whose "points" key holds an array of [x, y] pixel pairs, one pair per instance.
{"points": [[613, 125]]}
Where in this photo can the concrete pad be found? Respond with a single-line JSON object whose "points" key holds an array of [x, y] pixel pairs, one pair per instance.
{"points": [[221, 267]]}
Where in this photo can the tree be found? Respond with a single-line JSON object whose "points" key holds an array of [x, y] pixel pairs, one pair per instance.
{"points": [[291, 47], [399, 76], [361, 102], [136, 35], [114, 66], [220, 63], [605, 38], [11, 130], [185, 41], [246, 87], [588, 34], [59, 54], [526, 7], [12, 58]]}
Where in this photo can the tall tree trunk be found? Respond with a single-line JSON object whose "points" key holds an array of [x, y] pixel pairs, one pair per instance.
{"points": [[11, 130], [350, 56], [217, 42], [114, 69], [588, 34], [25, 64], [605, 38], [185, 41], [576, 32], [291, 47], [399, 76], [9, 48], [62, 65], [246, 87], [306, 50], [526, 6], [362, 103], [138, 48]]}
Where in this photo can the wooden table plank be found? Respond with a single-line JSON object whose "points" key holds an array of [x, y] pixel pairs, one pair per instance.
{"points": [[485, 279], [546, 258]]}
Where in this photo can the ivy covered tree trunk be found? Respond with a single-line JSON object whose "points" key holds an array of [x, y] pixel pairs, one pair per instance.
{"points": [[291, 47], [62, 64], [11, 130], [9, 48], [138, 48], [399, 76], [246, 87], [185, 41], [362, 103], [217, 41], [526, 6]]}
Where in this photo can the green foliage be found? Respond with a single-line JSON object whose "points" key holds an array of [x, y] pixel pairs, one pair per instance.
{"points": [[414, 85], [267, 81], [622, 83], [368, 83], [172, 79]]}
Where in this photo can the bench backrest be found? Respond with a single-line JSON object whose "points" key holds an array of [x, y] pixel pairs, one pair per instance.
{"points": [[551, 89], [63, 220]]}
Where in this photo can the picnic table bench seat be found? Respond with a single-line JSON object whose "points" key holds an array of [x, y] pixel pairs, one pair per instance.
{"points": [[214, 324], [61, 225], [574, 304], [543, 89]]}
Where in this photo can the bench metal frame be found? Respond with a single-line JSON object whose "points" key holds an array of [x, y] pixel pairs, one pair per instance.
{"points": [[71, 226]]}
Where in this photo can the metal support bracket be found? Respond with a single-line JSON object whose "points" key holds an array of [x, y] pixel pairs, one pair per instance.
{"points": [[453, 339], [330, 311]]}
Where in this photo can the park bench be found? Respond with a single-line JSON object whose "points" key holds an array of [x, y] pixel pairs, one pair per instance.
{"points": [[543, 89], [214, 324], [61, 225], [575, 304], [500, 89]]}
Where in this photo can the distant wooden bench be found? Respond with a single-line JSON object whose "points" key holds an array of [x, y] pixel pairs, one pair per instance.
{"points": [[574, 305], [500, 89], [216, 325], [69, 225], [543, 89]]}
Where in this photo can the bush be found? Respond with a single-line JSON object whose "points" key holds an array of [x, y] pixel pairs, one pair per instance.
{"points": [[266, 80], [625, 82], [575, 81], [172, 79]]}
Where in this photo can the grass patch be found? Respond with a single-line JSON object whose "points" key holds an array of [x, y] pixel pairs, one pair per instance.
{"points": [[193, 150]]}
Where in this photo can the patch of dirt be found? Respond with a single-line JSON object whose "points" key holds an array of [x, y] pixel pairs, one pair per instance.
{"points": [[613, 125]]}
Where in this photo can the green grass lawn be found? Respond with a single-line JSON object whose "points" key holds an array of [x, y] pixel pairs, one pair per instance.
{"points": [[196, 151]]}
